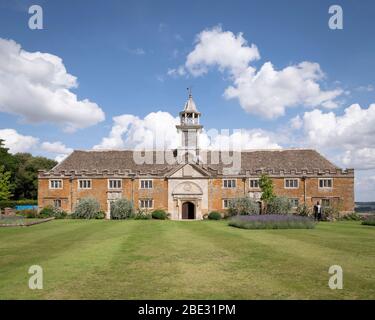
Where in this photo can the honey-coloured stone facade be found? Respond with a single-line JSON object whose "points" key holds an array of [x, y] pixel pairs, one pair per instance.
{"points": [[206, 193]]}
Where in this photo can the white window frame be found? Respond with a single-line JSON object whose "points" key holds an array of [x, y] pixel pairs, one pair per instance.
{"points": [[292, 202], [232, 186], [223, 203], [82, 180], [286, 179], [140, 201], [254, 179], [54, 188], [117, 188], [329, 202], [55, 201], [146, 181], [323, 179]]}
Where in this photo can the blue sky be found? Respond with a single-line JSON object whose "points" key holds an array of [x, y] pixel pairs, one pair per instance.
{"points": [[121, 51]]}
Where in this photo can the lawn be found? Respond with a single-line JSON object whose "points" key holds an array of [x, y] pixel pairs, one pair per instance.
{"points": [[185, 260]]}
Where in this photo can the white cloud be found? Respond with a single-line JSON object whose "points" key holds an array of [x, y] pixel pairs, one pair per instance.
{"points": [[296, 122], [354, 129], [158, 131], [351, 133], [55, 147], [267, 92], [180, 71], [36, 86], [227, 51], [17, 142], [368, 88], [137, 51], [363, 158]]}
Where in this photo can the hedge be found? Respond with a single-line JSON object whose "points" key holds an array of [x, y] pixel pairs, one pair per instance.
{"points": [[14, 203]]}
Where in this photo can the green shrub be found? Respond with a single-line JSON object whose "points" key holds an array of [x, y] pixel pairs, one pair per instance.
{"points": [[142, 215], [369, 221], [214, 215], [243, 206], [46, 212], [13, 203], [278, 205], [28, 213], [159, 214], [87, 208], [303, 210], [351, 217], [49, 212], [100, 215], [121, 209]]}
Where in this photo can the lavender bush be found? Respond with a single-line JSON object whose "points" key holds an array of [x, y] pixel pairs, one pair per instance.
{"points": [[272, 221]]}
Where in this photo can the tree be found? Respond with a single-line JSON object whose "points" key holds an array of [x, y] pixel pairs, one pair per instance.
{"points": [[26, 175], [5, 184], [23, 168], [266, 186]]}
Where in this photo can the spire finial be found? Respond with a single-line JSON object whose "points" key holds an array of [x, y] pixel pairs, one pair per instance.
{"points": [[189, 89]]}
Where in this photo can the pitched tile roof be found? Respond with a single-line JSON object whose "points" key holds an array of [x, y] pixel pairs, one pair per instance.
{"points": [[274, 160]]}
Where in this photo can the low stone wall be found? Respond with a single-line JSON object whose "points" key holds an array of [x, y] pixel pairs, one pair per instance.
{"points": [[25, 223]]}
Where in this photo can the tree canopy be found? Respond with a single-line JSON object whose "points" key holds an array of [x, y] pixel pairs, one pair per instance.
{"points": [[22, 169]]}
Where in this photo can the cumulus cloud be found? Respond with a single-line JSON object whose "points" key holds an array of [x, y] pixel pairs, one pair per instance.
{"points": [[56, 147], [363, 158], [223, 49], [157, 131], [266, 92], [354, 129], [37, 87], [352, 132], [18, 143]]}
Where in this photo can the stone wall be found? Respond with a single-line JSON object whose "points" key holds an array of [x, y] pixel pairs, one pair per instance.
{"points": [[212, 198]]}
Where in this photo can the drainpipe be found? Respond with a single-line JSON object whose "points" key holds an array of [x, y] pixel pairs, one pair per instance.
{"points": [[132, 175], [71, 179], [244, 186], [304, 189]]}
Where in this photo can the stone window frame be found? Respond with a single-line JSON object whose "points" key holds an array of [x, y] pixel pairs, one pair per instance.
{"points": [[292, 200], [232, 186], [114, 188], [254, 179], [141, 203], [226, 200], [324, 205], [55, 188], [288, 179], [325, 179], [144, 184], [83, 188], [58, 202]]}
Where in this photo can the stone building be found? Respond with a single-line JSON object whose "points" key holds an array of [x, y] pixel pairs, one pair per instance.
{"points": [[189, 182]]}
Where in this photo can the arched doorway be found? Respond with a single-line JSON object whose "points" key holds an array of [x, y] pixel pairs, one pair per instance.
{"points": [[188, 210]]}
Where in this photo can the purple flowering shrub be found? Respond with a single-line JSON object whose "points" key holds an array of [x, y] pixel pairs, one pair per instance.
{"points": [[272, 221]]}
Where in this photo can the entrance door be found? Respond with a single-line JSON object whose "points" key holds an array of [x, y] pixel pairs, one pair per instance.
{"points": [[188, 210]]}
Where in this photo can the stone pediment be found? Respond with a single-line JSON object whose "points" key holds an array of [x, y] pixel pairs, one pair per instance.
{"points": [[188, 171], [187, 188]]}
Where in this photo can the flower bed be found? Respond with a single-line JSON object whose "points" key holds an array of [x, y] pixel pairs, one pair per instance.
{"points": [[272, 221], [369, 221]]}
